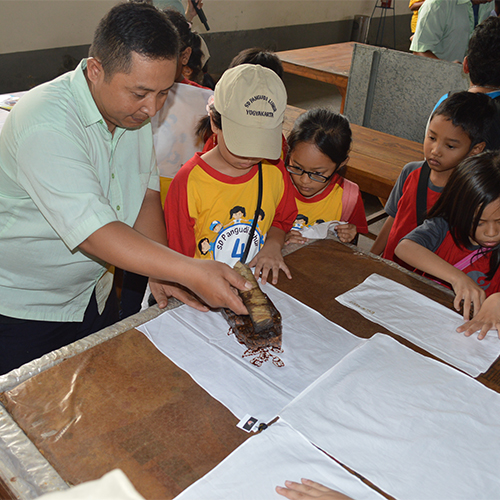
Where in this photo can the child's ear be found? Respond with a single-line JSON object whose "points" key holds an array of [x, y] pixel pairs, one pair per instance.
{"points": [[214, 128], [185, 55], [465, 66], [478, 148]]}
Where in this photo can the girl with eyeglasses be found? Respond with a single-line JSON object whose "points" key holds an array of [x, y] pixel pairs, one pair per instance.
{"points": [[318, 148]]}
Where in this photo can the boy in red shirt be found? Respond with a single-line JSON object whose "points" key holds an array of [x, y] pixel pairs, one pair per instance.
{"points": [[456, 131]]}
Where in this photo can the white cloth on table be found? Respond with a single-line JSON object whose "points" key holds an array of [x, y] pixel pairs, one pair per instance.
{"points": [[199, 344], [114, 485], [411, 425], [425, 322], [265, 461]]}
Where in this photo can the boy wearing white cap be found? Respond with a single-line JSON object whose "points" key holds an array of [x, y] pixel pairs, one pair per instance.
{"points": [[250, 197]]}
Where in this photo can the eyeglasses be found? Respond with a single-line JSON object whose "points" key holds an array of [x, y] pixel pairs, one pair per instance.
{"points": [[314, 177]]}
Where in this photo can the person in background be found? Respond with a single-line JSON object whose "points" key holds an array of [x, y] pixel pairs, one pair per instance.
{"points": [[318, 148], [456, 131], [444, 27], [414, 7], [79, 193], [459, 243], [482, 64]]}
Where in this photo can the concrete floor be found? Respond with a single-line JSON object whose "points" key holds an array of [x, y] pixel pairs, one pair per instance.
{"points": [[306, 94]]}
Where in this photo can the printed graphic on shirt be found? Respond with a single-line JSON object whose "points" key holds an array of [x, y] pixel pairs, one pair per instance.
{"points": [[231, 240]]}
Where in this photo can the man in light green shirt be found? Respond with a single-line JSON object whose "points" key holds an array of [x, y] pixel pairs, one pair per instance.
{"points": [[79, 191], [445, 26]]}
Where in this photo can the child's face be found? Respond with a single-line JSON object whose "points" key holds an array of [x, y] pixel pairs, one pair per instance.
{"points": [[310, 159], [488, 230], [445, 145], [232, 164]]}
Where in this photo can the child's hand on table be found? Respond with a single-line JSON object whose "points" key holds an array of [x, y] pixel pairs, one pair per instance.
{"points": [[295, 236], [488, 318], [270, 258], [309, 490], [469, 292], [346, 232]]}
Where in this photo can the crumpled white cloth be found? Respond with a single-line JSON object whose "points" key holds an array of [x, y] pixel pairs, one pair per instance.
{"points": [[320, 231], [174, 127], [114, 485], [425, 322], [199, 344], [416, 428], [265, 461]]}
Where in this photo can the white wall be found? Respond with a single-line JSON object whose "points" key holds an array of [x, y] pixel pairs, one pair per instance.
{"points": [[43, 24]]}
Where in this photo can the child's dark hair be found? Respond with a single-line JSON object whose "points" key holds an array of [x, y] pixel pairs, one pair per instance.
{"points": [[256, 55], [482, 55], [471, 111], [183, 27], [328, 131], [253, 55], [473, 185], [196, 60]]}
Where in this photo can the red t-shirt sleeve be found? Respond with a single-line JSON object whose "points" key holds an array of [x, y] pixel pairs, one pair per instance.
{"points": [[286, 211], [180, 226], [358, 217]]}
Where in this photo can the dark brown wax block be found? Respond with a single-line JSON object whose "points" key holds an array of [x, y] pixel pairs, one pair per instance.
{"points": [[243, 329]]}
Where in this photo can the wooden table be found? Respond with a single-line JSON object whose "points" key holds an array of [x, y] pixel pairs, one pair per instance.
{"points": [[325, 63], [376, 159], [123, 404]]}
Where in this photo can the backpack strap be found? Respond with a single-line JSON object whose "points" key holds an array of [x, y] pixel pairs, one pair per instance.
{"points": [[468, 260], [350, 196], [423, 182]]}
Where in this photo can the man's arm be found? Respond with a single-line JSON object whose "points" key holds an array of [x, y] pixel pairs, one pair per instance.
{"points": [[151, 223], [126, 248], [427, 53]]}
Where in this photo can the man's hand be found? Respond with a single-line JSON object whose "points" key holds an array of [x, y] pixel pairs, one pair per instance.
{"points": [[163, 290]]}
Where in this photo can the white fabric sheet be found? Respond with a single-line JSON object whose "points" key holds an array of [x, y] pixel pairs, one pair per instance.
{"points": [[320, 231], [199, 344], [265, 461], [413, 426], [423, 321], [114, 485]]}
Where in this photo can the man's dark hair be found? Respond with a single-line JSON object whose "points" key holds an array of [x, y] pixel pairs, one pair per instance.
{"points": [[473, 112], [483, 53], [133, 27]]}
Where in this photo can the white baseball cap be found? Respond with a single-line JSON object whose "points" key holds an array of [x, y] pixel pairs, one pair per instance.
{"points": [[251, 100]]}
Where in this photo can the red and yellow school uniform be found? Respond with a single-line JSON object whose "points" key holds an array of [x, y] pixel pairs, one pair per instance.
{"points": [[209, 214], [434, 235], [328, 206], [402, 205]]}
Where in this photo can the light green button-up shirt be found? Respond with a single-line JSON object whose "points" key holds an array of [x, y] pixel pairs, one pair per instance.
{"points": [[445, 26], [63, 175]]}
